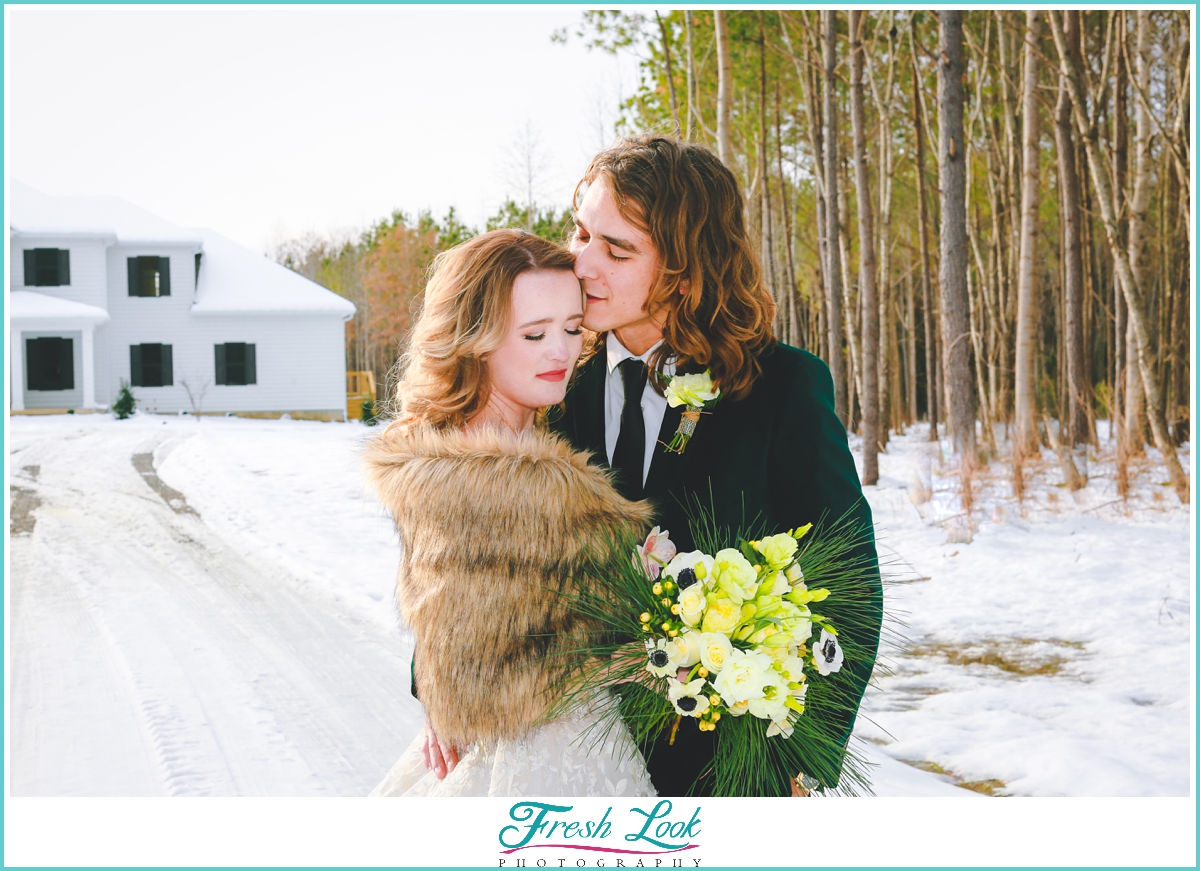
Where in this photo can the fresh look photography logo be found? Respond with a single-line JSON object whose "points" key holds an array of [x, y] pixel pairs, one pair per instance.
{"points": [[641, 838]]}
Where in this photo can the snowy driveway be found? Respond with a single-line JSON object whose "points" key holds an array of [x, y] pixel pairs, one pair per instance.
{"points": [[150, 654]]}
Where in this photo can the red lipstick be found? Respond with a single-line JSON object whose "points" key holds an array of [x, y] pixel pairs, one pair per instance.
{"points": [[554, 375]]}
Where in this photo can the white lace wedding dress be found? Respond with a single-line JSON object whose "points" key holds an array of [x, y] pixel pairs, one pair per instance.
{"points": [[559, 758]]}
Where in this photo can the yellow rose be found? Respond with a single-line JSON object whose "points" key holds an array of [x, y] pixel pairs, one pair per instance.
{"points": [[721, 616]]}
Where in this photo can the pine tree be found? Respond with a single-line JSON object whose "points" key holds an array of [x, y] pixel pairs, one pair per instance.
{"points": [[125, 403]]}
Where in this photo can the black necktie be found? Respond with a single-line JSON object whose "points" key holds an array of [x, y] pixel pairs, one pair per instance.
{"points": [[629, 457]]}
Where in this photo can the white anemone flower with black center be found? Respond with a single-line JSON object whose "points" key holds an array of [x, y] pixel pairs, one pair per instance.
{"points": [[659, 661], [828, 655], [689, 698]]}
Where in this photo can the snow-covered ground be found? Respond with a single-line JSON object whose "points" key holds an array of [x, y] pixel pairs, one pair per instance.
{"points": [[204, 608]]}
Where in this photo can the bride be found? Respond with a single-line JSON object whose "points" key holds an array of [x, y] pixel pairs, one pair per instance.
{"points": [[494, 515]]}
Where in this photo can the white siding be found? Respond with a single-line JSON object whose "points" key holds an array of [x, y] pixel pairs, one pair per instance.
{"points": [[300, 362], [88, 268], [137, 320]]}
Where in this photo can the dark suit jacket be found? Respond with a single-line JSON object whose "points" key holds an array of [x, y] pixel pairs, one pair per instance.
{"points": [[777, 459]]}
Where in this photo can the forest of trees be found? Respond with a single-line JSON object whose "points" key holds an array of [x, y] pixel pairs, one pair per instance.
{"points": [[976, 217]]}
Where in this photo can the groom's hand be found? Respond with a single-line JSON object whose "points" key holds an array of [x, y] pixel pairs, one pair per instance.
{"points": [[440, 758]]}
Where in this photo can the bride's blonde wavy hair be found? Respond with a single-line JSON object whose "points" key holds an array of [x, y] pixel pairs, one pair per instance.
{"points": [[442, 378]]}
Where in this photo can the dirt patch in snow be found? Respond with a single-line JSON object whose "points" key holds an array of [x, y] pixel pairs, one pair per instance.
{"points": [[144, 463], [1018, 657], [986, 787]]}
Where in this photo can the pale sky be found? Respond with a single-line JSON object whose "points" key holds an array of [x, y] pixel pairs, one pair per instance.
{"points": [[264, 123]]}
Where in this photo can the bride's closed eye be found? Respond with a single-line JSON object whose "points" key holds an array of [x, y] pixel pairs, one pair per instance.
{"points": [[539, 336]]}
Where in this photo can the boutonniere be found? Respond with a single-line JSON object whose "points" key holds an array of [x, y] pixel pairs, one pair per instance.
{"points": [[697, 394]]}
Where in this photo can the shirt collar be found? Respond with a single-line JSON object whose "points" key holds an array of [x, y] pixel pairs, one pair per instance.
{"points": [[616, 353]]}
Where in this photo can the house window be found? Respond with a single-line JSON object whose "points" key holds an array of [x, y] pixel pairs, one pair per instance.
{"points": [[235, 363], [150, 366], [47, 267], [149, 276], [50, 363]]}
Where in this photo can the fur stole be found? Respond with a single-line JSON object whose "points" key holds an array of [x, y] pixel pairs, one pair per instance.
{"points": [[493, 525]]}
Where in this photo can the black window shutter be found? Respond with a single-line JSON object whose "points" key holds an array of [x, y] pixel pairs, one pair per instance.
{"points": [[66, 364], [135, 278], [221, 377], [250, 373], [135, 363], [168, 377], [64, 266], [164, 276], [30, 268]]}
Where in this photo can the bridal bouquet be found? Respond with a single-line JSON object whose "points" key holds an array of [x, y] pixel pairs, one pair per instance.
{"points": [[728, 636], [739, 622]]}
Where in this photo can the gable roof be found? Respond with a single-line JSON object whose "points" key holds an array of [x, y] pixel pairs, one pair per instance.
{"points": [[233, 279], [35, 213]]}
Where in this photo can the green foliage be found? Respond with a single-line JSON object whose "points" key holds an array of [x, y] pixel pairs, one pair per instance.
{"points": [[547, 223], [368, 413], [125, 403]]}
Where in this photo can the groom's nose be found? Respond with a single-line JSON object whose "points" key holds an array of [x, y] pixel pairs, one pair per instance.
{"points": [[585, 261]]}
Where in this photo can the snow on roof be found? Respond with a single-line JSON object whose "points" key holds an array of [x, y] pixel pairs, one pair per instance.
{"points": [[25, 305], [236, 280], [35, 213]]}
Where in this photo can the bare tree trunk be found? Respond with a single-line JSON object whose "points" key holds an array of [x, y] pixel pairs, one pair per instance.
{"points": [[1139, 206], [793, 325], [833, 271], [691, 74], [666, 45], [888, 386], [910, 347], [1026, 437], [953, 267], [1100, 166], [932, 394], [1077, 389], [764, 171], [724, 90], [866, 260], [1120, 147]]}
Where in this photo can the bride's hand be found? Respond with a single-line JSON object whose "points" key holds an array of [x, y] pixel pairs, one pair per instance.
{"points": [[440, 758]]}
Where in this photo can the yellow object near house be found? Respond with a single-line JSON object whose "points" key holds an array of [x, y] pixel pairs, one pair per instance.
{"points": [[360, 386]]}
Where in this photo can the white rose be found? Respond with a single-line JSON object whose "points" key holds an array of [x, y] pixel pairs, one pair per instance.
{"points": [[684, 650], [743, 677], [692, 604], [714, 650]]}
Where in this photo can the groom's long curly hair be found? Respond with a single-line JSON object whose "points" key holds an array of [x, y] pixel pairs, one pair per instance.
{"points": [[688, 202]]}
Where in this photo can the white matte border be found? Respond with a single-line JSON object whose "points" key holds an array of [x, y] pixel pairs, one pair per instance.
{"points": [[732, 832]]}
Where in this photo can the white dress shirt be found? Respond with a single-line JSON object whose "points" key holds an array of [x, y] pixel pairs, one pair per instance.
{"points": [[654, 407]]}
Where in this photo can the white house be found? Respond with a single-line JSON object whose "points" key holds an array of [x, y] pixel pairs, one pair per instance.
{"points": [[103, 292]]}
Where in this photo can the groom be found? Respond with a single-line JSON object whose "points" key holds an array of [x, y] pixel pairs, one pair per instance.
{"points": [[673, 284]]}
